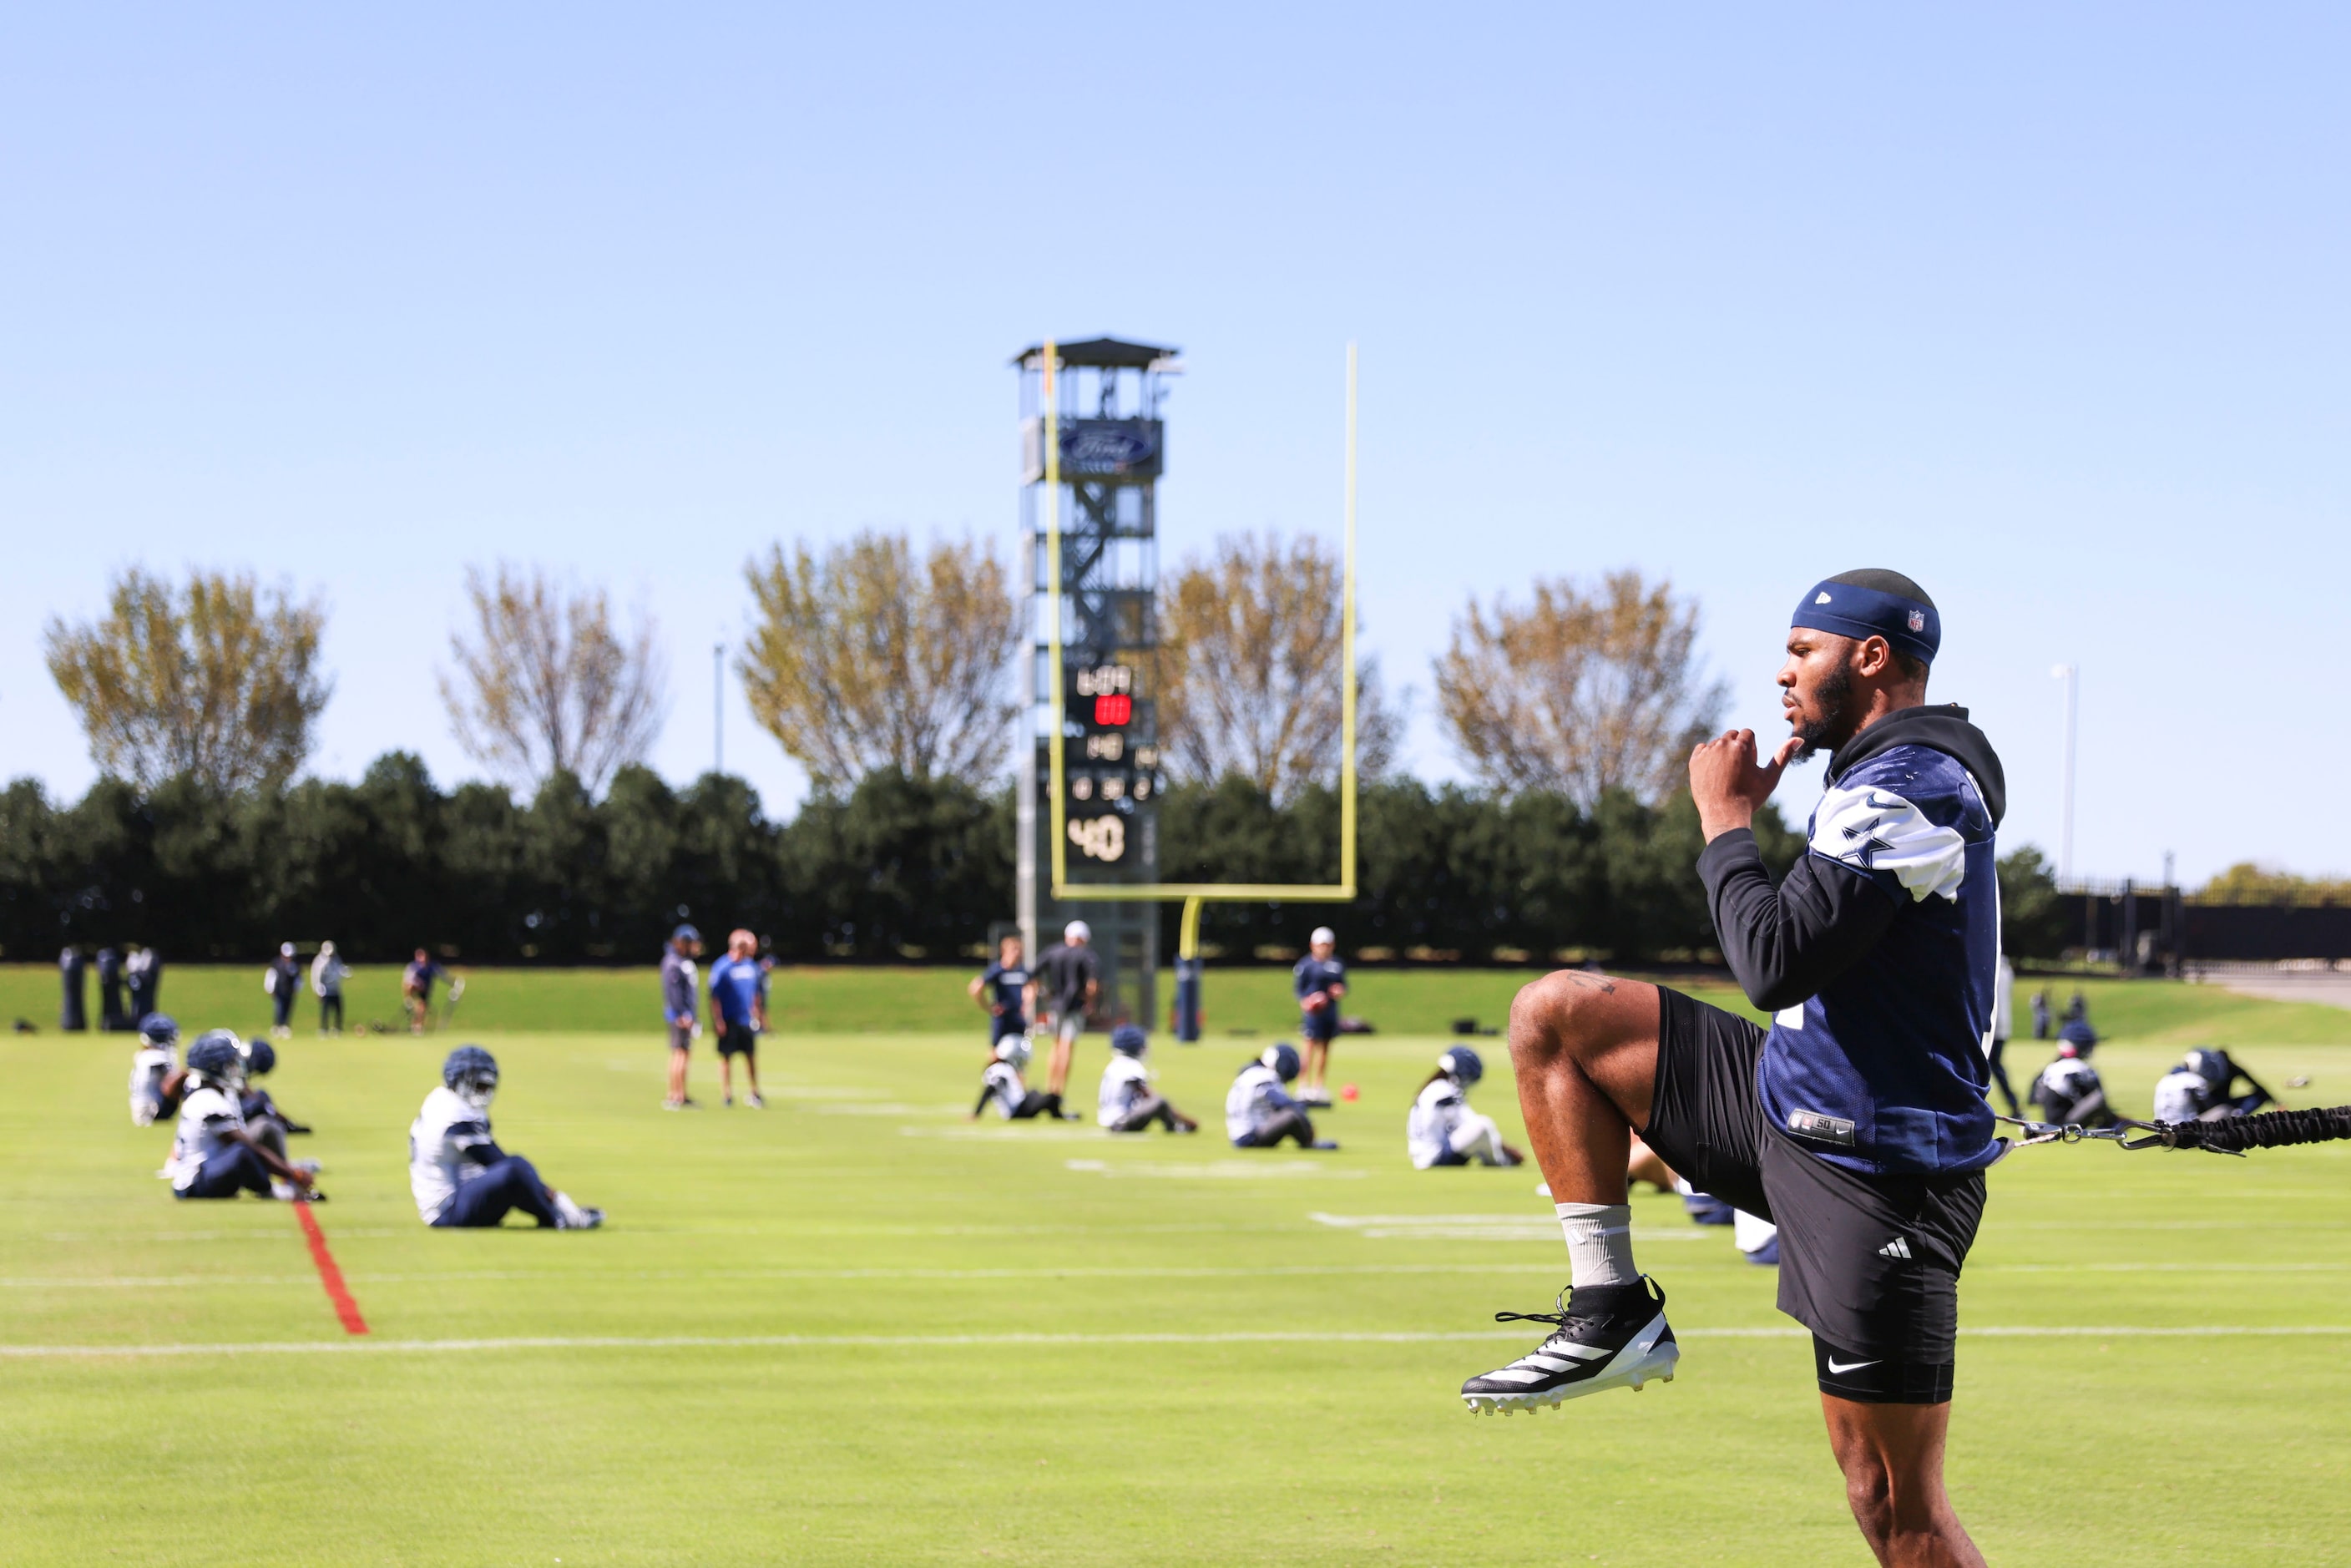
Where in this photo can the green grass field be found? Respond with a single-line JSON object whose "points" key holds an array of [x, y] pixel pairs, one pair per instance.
{"points": [[1042, 1345]]}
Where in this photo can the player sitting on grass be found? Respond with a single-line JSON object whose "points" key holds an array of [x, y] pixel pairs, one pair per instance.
{"points": [[156, 1060], [1260, 1113], [1127, 1101], [1001, 1085], [459, 1175], [1442, 1130], [2199, 1090], [2068, 1090], [212, 1153]]}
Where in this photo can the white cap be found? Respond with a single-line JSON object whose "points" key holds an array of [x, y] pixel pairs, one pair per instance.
{"points": [[1077, 931], [286, 948], [1322, 933], [326, 946]]}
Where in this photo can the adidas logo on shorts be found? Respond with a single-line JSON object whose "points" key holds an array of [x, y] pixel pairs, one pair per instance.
{"points": [[1898, 1247]]}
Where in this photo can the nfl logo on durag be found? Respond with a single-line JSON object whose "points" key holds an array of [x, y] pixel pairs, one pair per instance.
{"points": [[1917, 621]]}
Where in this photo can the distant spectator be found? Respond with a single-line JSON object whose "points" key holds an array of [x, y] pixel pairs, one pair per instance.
{"points": [[110, 1015], [74, 969], [416, 990], [739, 1014], [143, 977], [328, 973], [2077, 1010], [678, 1009], [283, 981], [2040, 1015]]}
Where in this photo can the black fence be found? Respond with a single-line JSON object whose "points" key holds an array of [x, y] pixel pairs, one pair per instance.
{"points": [[2157, 929]]}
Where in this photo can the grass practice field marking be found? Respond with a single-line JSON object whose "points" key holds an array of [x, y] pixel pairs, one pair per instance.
{"points": [[1083, 1340], [188, 1281], [1212, 1170], [346, 1310]]}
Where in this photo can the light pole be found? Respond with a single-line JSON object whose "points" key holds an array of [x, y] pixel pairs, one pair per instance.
{"points": [[718, 707], [2072, 675]]}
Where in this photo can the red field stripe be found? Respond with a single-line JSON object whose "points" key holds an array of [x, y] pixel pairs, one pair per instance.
{"points": [[329, 1275]]}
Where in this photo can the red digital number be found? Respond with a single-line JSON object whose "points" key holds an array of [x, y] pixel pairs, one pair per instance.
{"points": [[1114, 709]]}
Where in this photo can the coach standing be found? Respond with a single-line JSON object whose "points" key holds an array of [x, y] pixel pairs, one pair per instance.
{"points": [[1068, 981], [738, 1016], [283, 981], [678, 1004]]}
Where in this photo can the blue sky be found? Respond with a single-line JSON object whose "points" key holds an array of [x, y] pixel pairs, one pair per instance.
{"points": [[2042, 306]]}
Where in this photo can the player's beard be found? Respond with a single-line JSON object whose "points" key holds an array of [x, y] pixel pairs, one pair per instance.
{"points": [[1833, 697]]}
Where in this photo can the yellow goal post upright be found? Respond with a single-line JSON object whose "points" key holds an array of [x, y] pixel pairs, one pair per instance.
{"points": [[1194, 896]]}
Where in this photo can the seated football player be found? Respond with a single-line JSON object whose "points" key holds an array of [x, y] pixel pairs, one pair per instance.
{"points": [[1442, 1130], [2202, 1089], [1002, 1087], [1758, 1239], [460, 1176], [1260, 1113], [155, 1061], [213, 1154], [1126, 1103], [2069, 1090]]}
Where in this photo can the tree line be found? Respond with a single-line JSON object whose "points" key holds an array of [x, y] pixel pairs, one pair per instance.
{"points": [[895, 868], [866, 655]]}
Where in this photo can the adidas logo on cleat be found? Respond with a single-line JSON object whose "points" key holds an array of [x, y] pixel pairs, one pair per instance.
{"points": [[1898, 1247], [1626, 1343]]}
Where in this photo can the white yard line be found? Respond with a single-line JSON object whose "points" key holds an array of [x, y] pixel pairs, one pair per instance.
{"points": [[1065, 1340]]}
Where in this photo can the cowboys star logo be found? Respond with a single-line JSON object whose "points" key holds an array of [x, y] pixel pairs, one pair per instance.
{"points": [[1864, 854]]}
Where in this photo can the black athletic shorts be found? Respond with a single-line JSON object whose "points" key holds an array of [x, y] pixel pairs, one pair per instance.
{"points": [[1869, 1263]]}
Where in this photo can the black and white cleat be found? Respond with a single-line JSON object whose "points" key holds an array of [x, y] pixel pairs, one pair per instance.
{"points": [[1606, 1336]]}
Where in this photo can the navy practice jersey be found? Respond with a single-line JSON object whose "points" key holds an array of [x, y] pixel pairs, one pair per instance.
{"points": [[1312, 975], [1876, 955], [1007, 988]]}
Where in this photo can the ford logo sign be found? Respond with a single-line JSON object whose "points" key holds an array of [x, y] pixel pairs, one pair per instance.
{"points": [[1105, 447]]}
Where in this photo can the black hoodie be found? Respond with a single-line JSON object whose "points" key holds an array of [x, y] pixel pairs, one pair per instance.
{"points": [[1875, 952]]}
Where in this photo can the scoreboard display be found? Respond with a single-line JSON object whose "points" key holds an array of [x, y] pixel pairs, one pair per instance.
{"points": [[1112, 758]]}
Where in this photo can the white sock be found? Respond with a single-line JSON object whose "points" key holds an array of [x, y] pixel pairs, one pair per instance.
{"points": [[1599, 1243], [569, 1211]]}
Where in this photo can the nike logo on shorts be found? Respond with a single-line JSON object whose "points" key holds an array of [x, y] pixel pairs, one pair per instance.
{"points": [[1838, 1366]]}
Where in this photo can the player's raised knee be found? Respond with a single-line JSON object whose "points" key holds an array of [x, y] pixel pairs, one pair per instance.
{"points": [[1556, 1014]]}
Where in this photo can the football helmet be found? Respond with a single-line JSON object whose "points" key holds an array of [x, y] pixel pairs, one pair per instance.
{"points": [[472, 1074], [1014, 1048], [1128, 1040], [260, 1057], [159, 1029], [1282, 1057], [217, 1059], [2212, 1065], [1462, 1065]]}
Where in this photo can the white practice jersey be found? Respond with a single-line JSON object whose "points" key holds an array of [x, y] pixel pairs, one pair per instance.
{"points": [[150, 1065], [2181, 1096], [1255, 1098], [1005, 1089], [207, 1115], [1125, 1083], [441, 1150], [1428, 1128], [2066, 1080], [2004, 1001]]}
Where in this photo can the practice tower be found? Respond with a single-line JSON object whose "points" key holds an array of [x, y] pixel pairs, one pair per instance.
{"points": [[1106, 397]]}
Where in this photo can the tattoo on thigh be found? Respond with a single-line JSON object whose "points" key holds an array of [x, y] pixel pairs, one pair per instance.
{"points": [[1580, 977]]}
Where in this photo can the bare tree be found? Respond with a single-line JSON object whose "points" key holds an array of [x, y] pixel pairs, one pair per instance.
{"points": [[546, 681], [1581, 691], [218, 680], [1250, 668], [863, 659]]}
